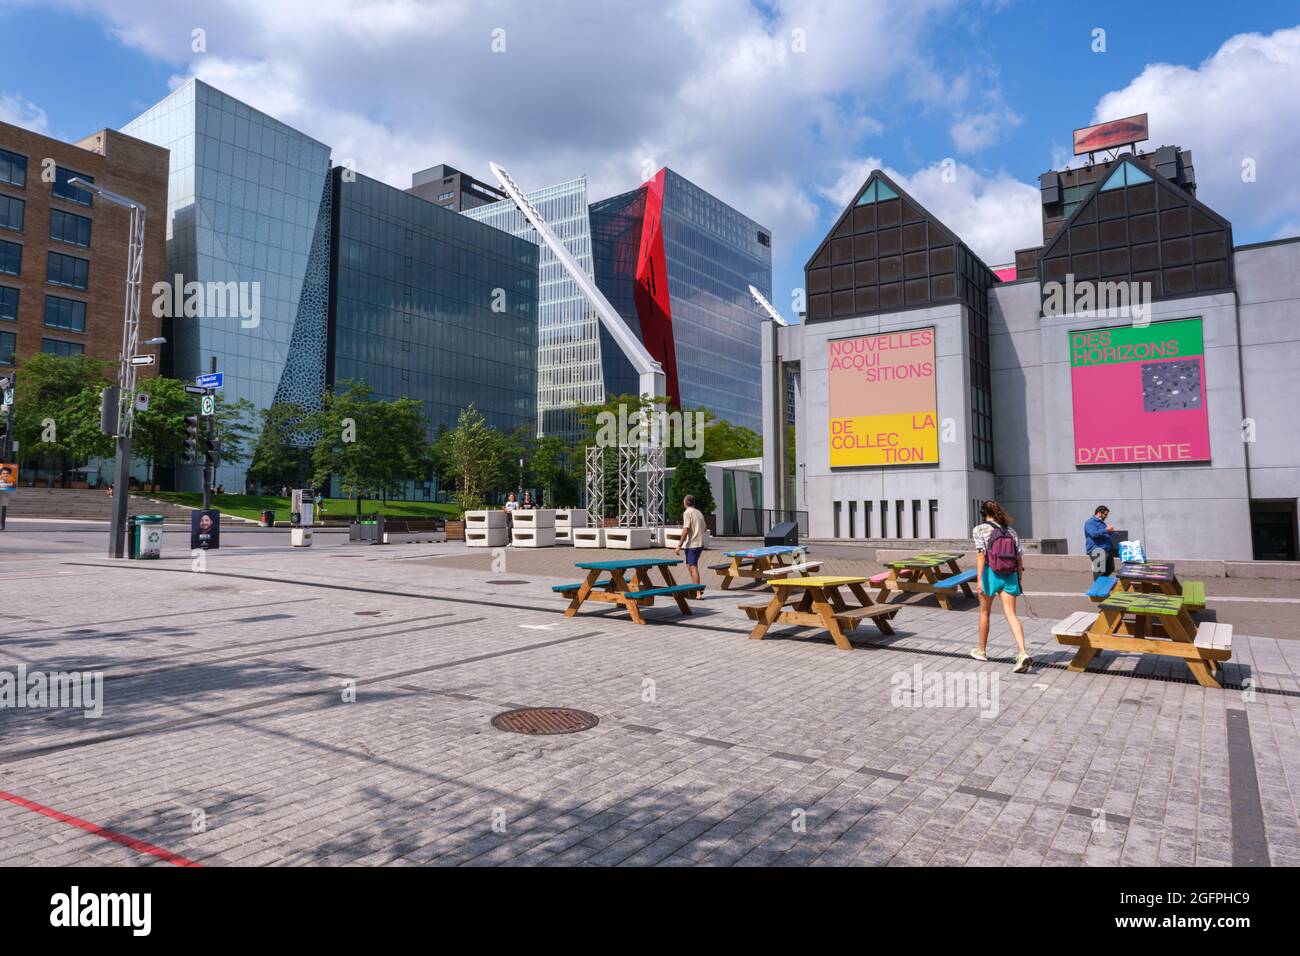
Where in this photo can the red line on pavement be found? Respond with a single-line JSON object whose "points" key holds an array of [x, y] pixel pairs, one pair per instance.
{"points": [[140, 846]]}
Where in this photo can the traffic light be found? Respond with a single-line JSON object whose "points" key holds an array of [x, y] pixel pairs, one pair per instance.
{"points": [[213, 451], [191, 438]]}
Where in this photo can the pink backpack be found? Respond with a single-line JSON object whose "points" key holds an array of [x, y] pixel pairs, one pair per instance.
{"points": [[1000, 553]]}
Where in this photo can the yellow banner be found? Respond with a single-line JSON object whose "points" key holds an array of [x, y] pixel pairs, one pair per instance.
{"points": [[909, 438]]}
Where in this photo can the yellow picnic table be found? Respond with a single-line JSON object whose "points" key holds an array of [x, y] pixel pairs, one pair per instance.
{"points": [[820, 605]]}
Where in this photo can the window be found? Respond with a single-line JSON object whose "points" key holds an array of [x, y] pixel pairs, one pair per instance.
{"points": [[866, 519], [442, 197], [70, 228], [884, 518], [59, 347], [898, 518], [68, 314], [876, 192], [13, 168], [8, 303], [8, 341], [11, 213], [11, 258], [934, 514], [1126, 175], [67, 271], [853, 519], [71, 193], [916, 518], [837, 519]]}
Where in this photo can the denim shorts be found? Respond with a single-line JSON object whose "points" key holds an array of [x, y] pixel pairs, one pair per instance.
{"points": [[994, 581], [693, 556]]}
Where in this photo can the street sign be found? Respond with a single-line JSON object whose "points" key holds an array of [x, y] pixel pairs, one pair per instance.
{"points": [[9, 397], [208, 405], [142, 359], [194, 389], [212, 380]]}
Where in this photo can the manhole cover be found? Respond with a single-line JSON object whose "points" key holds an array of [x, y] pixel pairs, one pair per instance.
{"points": [[506, 581], [545, 720]]}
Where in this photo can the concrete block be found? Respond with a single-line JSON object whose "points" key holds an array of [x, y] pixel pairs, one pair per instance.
{"points": [[533, 537], [572, 518], [534, 518], [629, 539], [485, 537], [479, 520], [673, 536], [588, 537], [563, 537]]}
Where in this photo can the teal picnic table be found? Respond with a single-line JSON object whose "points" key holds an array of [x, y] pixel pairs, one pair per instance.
{"points": [[628, 585]]}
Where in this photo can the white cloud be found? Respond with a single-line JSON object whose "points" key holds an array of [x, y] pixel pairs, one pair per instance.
{"points": [[1243, 103], [993, 214], [977, 131], [20, 111]]}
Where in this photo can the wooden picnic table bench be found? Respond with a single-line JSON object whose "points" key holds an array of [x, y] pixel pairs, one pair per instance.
{"points": [[628, 585], [817, 602], [920, 574], [1157, 577], [1146, 623]]}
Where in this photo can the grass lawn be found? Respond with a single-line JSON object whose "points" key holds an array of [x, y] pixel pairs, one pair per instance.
{"points": [[252, 506]]}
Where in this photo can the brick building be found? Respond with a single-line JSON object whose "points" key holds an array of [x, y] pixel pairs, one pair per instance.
{"points": [[63, 252]]}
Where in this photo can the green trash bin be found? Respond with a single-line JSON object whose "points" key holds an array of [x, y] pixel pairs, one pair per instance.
{"points": [[148, 536]]}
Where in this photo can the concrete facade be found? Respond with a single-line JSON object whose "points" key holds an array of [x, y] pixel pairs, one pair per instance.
{"points": [[1194, 510]]}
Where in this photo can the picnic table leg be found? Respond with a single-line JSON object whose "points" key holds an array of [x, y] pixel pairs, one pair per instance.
{"points": [[931, 577], [955, 568], [883, 596], [731, 572], [582, 593], [864, 599], [1201, 669], [678, 597], [827, 615], [620, 586], [769, 616]]}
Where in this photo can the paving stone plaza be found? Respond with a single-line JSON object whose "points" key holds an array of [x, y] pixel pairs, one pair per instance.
{"points": [[335, 705]]}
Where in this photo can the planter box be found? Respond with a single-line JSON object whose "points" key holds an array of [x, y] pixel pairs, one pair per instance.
{"points": [[415, 537], [629, 539], [479, 520], [588, 537], [540, 518], [533, 537], [673, 536], [563, 536], [485, 537], [571, 518]]}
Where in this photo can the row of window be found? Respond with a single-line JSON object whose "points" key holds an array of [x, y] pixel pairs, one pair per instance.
{"points": [[64, 226], [9, 342], [846, 518], [60, 269], [13, 172], [60, 313]]}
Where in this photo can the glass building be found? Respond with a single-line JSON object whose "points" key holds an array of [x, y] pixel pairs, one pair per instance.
{"points": [[677, 263], [247, 204], [428, 304], [568, 329]]}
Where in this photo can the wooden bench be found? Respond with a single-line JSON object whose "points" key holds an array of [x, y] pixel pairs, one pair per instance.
{"points": [[1101, 588], [1076, 625], [793, 569], [1204, 655], [955, 580], [876, 580], [723, 566], [756, 610], [566, 588], [656, 592], [853, 615], [1215, 641], [1194, 595]]}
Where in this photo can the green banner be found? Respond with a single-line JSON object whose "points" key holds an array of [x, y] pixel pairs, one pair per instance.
{"points": [[1181, 338]]}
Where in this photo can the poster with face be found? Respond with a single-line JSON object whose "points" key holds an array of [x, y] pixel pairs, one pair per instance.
{"points": [[8, 477], [1139, 394], [883, 399], [205, 530]]}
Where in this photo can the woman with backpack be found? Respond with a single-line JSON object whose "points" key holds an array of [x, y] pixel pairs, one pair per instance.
{"points": [[999, 568]]}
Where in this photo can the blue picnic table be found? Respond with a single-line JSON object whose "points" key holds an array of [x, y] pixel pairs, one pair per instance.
{"points": [[752, 562], [628, 584]]}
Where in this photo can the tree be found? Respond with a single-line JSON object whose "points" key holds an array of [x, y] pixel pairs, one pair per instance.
{"points": [[77, 421], [277, 459], [370, 446], [45, 413], [159, 432], [551, 468], [725, 441], [689, 478], [476, 455], [234, 428]]}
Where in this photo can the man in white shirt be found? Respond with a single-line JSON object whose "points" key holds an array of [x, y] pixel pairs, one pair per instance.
{"points": [[692, 538]]}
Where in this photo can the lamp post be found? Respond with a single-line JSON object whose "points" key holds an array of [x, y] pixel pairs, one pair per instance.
{"points": [[126, 364]]}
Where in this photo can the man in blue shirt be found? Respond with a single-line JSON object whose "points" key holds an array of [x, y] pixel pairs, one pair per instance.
{"points": [[1096, 542]]}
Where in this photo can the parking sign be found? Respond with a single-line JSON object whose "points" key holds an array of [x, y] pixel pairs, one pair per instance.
{"points": [[208, 404]]}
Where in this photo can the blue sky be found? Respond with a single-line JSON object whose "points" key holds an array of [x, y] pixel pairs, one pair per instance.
{"points": [[781, 109]]}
